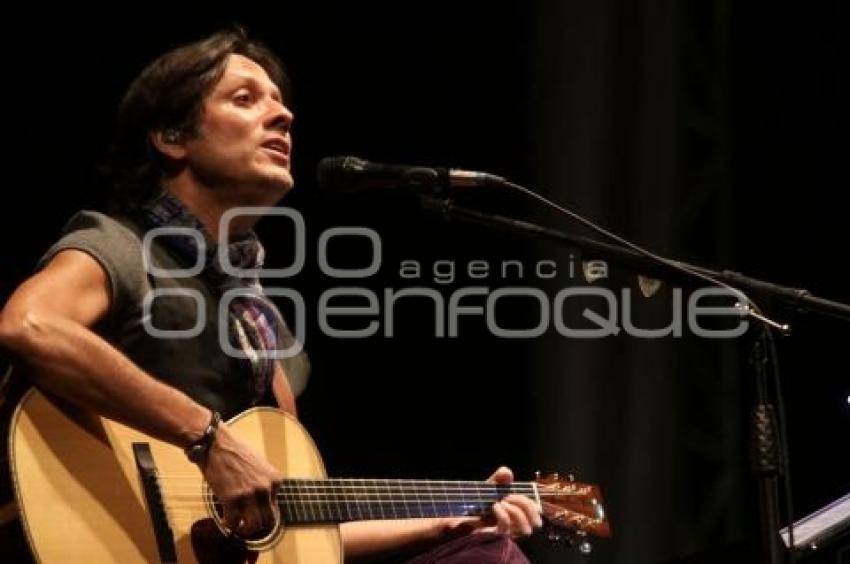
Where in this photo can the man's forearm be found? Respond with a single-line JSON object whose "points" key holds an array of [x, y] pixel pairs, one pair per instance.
{"points": [[69, 360], [364, 539]]}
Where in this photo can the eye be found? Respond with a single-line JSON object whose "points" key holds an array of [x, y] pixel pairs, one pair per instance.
{"points": [[243, 98]]}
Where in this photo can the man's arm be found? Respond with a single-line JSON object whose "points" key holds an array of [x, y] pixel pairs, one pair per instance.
{"points": [[514, 515], [45, 326]]}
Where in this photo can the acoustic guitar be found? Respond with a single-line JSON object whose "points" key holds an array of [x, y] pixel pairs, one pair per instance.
{"points": [[92, 490]]}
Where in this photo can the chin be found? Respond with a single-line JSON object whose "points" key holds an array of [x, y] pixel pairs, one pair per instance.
{"points": [[270, 190], [284, 184], [279, 179]]}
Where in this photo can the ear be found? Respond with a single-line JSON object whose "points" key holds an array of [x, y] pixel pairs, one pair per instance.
{"points": [[169, 142]]}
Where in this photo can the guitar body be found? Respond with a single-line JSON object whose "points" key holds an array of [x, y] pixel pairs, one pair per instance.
{"points": [[81, 499]]}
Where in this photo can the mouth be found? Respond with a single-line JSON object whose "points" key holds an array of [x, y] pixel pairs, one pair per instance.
{"points": [[278, 148]]}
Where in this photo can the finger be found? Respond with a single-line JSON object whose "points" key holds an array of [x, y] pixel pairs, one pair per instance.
{"points": [[460, 526], [503, 475], [264, 504], [503, 518], [532, 512], [252, 521], [231, 515], [518, 521]]}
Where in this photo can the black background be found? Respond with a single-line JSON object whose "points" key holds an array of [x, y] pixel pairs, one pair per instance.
{"points": [[709, 132]]}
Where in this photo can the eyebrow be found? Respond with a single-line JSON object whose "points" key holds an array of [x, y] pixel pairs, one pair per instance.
{"points": [[276, 93]]}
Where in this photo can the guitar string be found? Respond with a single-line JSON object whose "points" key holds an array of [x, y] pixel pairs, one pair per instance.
{"points": [[367, 508], [366, 481], [182, 515], [353, 499], [360, 495], [371, 484], [400, 488], [287, 489], [381, 490], [411, 487], [404, 489], [380, 495], [406, 485], [375, 491], [302, 514], [376, 494], [201, 499]]}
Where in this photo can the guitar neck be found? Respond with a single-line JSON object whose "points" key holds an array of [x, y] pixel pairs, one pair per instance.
{"points": [[304, 501]]}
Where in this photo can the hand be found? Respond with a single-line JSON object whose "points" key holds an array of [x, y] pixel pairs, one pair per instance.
{"points": [[515, 515], [243, 482]]}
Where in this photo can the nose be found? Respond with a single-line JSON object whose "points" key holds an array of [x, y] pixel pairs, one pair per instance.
{"points": [[280, 117]]}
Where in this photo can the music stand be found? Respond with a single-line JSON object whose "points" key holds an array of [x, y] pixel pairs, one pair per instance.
{"points": [[824, 531]]}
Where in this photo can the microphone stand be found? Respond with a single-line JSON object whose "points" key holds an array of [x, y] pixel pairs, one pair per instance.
{"points": [[766, 456], [793, 298]]}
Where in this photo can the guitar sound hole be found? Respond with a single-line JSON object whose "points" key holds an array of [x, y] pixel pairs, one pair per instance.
{"points": [[260, 535]]}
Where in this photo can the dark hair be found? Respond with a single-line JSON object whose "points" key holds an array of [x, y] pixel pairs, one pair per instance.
{"points": [[168, 96]]}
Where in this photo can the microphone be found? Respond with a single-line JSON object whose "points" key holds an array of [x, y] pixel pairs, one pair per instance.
{"points": [[353, 174]]}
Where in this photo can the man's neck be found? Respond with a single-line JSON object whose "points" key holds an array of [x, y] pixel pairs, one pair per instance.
{"points": [[208, 208]]}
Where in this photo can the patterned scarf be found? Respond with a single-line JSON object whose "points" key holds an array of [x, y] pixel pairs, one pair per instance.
{"points": [[254, 326]]}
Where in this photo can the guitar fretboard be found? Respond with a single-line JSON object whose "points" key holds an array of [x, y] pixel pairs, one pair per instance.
{"points": [[304, 501]]}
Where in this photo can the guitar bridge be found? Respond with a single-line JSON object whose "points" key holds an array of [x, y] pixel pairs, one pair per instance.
{"points": [[156, 507]]}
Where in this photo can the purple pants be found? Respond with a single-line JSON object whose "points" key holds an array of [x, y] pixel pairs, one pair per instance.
{"points": [[481, 548]]}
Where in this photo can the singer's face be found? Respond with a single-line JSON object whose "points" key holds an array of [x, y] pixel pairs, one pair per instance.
{"points": [[243, 144]]}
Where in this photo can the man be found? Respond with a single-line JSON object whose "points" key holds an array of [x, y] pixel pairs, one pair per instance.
{"points": [[205, 128]]}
